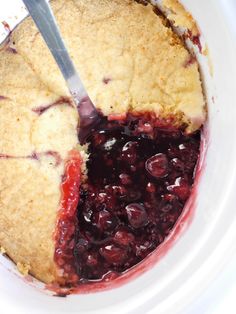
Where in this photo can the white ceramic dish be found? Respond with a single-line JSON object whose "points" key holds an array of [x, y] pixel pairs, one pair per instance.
{"points": [[201, 252]]}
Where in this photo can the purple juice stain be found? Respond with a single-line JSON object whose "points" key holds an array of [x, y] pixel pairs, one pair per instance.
{"points": [[106, 80], [36, 156], [3, 97], [11, 49], [61, 101]]}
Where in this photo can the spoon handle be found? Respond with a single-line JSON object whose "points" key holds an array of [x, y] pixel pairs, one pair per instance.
{"points": [[44, 19]]}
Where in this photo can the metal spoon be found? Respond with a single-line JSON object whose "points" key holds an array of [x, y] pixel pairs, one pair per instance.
{"points": [[44, 19]]}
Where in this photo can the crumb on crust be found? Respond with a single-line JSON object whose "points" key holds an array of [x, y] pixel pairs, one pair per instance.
{"points": [[23, 268], [2, 250]]}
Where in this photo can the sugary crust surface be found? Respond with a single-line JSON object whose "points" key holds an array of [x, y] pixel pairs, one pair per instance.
{"points": [[126, 44], [27, 216], [128, 59], [33, 148]]}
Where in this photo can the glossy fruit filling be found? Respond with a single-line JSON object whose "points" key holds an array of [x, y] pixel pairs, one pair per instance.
{"points": [[140, 175]]}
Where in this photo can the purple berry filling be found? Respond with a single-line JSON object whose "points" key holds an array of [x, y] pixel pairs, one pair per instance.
{"points": [[140, 174]]}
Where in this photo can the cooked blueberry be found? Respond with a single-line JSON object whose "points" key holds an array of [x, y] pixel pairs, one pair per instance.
{"points": [[123, 237], [113, 254], [157, 165], [137, 215]]}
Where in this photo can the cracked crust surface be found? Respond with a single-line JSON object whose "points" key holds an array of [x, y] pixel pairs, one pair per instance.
{"points": [[118, 42]]}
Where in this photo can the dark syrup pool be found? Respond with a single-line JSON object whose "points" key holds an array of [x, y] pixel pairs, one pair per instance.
{"points": [[140, 175]]}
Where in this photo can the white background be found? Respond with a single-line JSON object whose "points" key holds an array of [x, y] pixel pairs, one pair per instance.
{"points": [[220, 297]]}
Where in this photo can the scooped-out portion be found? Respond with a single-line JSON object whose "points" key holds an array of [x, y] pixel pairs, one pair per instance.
{"points": [[140, 173]]}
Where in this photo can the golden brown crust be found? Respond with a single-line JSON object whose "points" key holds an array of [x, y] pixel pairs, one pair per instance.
{"points": [[117, 41], [126, 43]]}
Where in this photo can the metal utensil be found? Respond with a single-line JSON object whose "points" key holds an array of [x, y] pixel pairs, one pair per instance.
{"points": [[44, 19]]}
